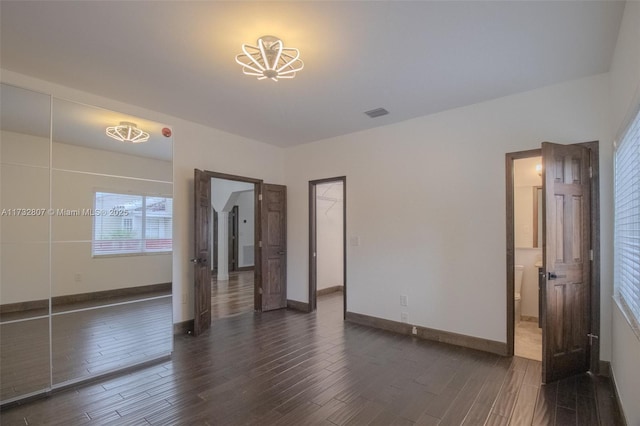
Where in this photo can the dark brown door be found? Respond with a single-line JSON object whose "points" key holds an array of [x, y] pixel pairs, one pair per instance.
{"points": [[232, 252], [566, 254], [233, 239], [202, 274], [274, 247]]}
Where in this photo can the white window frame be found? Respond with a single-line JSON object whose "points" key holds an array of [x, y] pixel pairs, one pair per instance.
{"points": [[143, 239]]}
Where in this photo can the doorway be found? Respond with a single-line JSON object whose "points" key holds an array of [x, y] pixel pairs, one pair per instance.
{"points": [[233, 260], [327, 246], [527, 212], [569, 278], [269, 253]]}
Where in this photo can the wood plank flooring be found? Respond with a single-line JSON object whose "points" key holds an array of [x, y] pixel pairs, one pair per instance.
{"points": [[232, 297], [290, 368]]}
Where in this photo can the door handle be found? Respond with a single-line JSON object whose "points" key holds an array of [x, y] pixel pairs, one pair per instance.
{"points": [[197, 261], [554, 276], [282, 252]]}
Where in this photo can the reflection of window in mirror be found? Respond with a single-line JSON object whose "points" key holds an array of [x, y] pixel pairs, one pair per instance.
{"points": [[129, 224], [537, 216]]}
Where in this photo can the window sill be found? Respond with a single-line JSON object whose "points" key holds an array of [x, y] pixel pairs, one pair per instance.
{"points": [[628, 315], [151, 253]]}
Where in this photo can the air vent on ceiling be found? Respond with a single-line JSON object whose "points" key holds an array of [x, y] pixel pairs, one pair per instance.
{"points": [[378, 112]]}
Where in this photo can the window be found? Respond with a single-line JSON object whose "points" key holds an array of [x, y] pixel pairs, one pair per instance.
{"points": [[627, 222], [131, 224]]}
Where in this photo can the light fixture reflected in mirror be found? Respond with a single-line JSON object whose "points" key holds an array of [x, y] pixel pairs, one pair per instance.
{"points": [[539, 169], [127, 132]]}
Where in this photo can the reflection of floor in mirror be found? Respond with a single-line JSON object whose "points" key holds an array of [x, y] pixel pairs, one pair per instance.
{"points": [[528, 340], [24, 357], [85, 342], [95, 341], [233, 296]]}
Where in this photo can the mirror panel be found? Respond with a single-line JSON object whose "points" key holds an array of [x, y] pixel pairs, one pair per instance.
{"points": [[85, 243], [98, 340], [24, 243], [111, 244]]}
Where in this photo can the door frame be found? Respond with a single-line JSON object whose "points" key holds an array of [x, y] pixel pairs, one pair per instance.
{"points": [[257, 234], [313, 261], [594, 362]]}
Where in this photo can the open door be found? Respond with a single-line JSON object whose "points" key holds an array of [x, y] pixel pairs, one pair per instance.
{"points": [[566, 255], [274, 247], [202, 253]]}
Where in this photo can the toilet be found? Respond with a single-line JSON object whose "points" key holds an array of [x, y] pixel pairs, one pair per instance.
{"points": [[519, 272]]}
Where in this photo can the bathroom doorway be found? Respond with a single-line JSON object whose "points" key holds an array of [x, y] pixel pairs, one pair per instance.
{"points": [[569, 279], [527, 214], [327, 248]]}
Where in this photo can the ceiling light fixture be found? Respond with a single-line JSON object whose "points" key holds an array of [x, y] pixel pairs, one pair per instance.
{"points": [[127, 132], [270, 59], [539, 169]]}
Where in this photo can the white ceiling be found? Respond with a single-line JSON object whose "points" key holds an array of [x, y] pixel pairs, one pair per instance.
{"points": [[413, 58]]}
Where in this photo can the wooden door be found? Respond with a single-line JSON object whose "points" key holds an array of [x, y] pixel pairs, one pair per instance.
{"points": [[566, 254], [274, 246], [232, 242], [233, 239], [202, 273]]}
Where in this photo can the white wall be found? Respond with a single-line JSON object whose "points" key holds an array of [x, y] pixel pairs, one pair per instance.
{"points": [[329, 244], [525, 179], [625, 98], [195, 146], [446, 173], [223, 189], [224, 195]]}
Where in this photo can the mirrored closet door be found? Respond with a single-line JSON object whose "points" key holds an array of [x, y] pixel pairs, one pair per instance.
{"points": [[24, 243], [104, 268]]}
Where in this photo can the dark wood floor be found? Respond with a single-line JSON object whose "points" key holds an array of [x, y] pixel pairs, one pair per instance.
{"points": [[290, 368], [232, 297]]}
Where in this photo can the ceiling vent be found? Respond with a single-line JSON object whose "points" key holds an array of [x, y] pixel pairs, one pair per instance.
{"points": [[378, 112]]}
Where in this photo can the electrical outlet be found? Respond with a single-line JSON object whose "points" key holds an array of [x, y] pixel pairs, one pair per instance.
{"points": [[414, 330], [78, 277], [404, 316], [404, 300]]}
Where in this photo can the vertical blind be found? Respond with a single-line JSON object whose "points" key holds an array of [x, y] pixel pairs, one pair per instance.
{"points": [[131, 224], [627, 219]]}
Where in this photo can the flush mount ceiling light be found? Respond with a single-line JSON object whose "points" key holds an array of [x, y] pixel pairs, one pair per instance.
{"points": [[127, 132], [270, 59]]}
